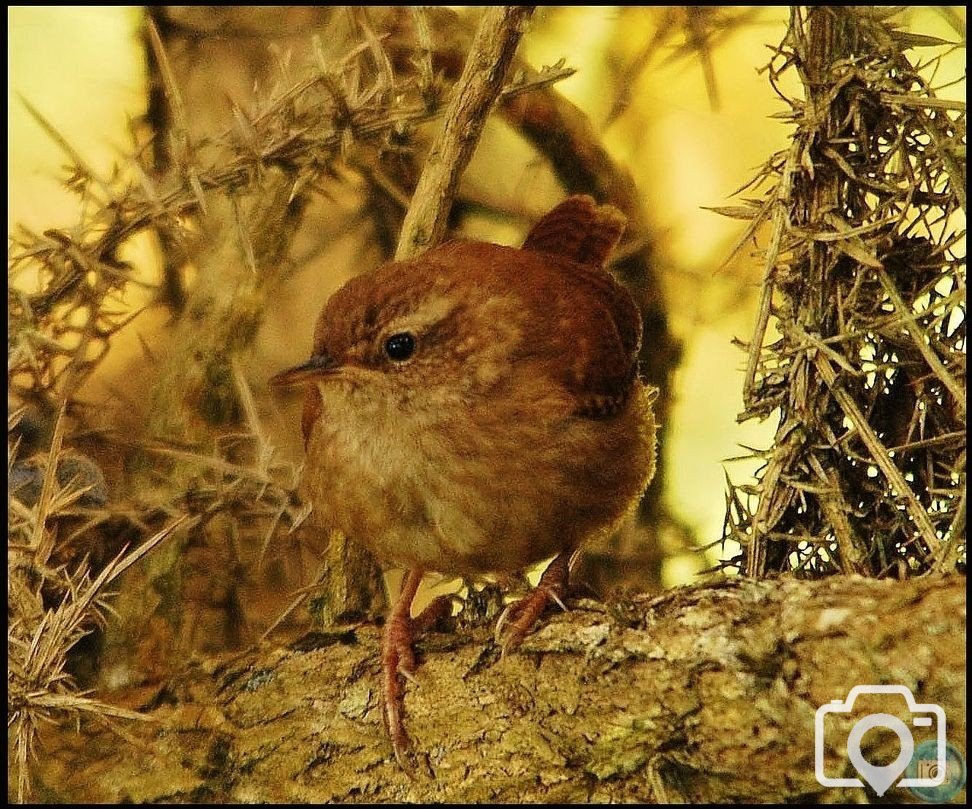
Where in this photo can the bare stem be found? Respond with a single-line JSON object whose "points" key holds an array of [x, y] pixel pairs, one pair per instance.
{"points": [[473, 97]]}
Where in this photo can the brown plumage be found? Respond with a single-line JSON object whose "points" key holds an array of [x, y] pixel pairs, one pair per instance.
{"points": [[478, 409]]}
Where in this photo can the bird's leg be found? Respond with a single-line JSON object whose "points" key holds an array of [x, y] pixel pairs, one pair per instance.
{"points": [[398, 657], [519, 617], [435, 613]]}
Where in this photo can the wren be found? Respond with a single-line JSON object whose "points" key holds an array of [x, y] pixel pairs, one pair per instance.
{"points": [[478, 409]]}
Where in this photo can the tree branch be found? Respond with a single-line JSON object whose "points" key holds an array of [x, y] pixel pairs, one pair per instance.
{"points": [[705, 694], [473, 97]]}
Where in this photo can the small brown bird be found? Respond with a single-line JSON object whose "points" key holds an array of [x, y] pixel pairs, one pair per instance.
{"points": [[477, 410]]}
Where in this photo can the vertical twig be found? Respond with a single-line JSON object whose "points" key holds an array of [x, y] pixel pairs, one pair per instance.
{"points": [[473, 97]]}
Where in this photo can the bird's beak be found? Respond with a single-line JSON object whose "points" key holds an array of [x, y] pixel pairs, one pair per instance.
{"points": [[317, 366]]}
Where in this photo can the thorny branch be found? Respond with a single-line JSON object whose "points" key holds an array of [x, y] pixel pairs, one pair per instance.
{"points": [[864, 279]]}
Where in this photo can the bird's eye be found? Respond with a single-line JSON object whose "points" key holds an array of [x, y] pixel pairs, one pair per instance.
{"points": [[399, 347]]}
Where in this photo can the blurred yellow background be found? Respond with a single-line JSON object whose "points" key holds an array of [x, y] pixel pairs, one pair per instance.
{"points": [[82, 68]]}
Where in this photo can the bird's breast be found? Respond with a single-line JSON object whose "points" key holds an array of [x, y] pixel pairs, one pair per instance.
{"points": [[473, 488]]}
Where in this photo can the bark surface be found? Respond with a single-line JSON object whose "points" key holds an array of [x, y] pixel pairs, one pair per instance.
{"points": [[707, 693]]}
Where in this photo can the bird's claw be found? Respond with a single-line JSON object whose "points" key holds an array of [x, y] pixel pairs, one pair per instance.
{"points": [[522, 615], [410, 762], [397, 658]]}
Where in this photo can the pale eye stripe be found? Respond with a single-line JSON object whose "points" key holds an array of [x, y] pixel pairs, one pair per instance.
{"points": [[431, 311]]}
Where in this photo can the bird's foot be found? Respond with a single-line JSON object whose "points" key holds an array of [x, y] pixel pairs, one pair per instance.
{"points": [[519, 618], [398, 663], [397, 658]]}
